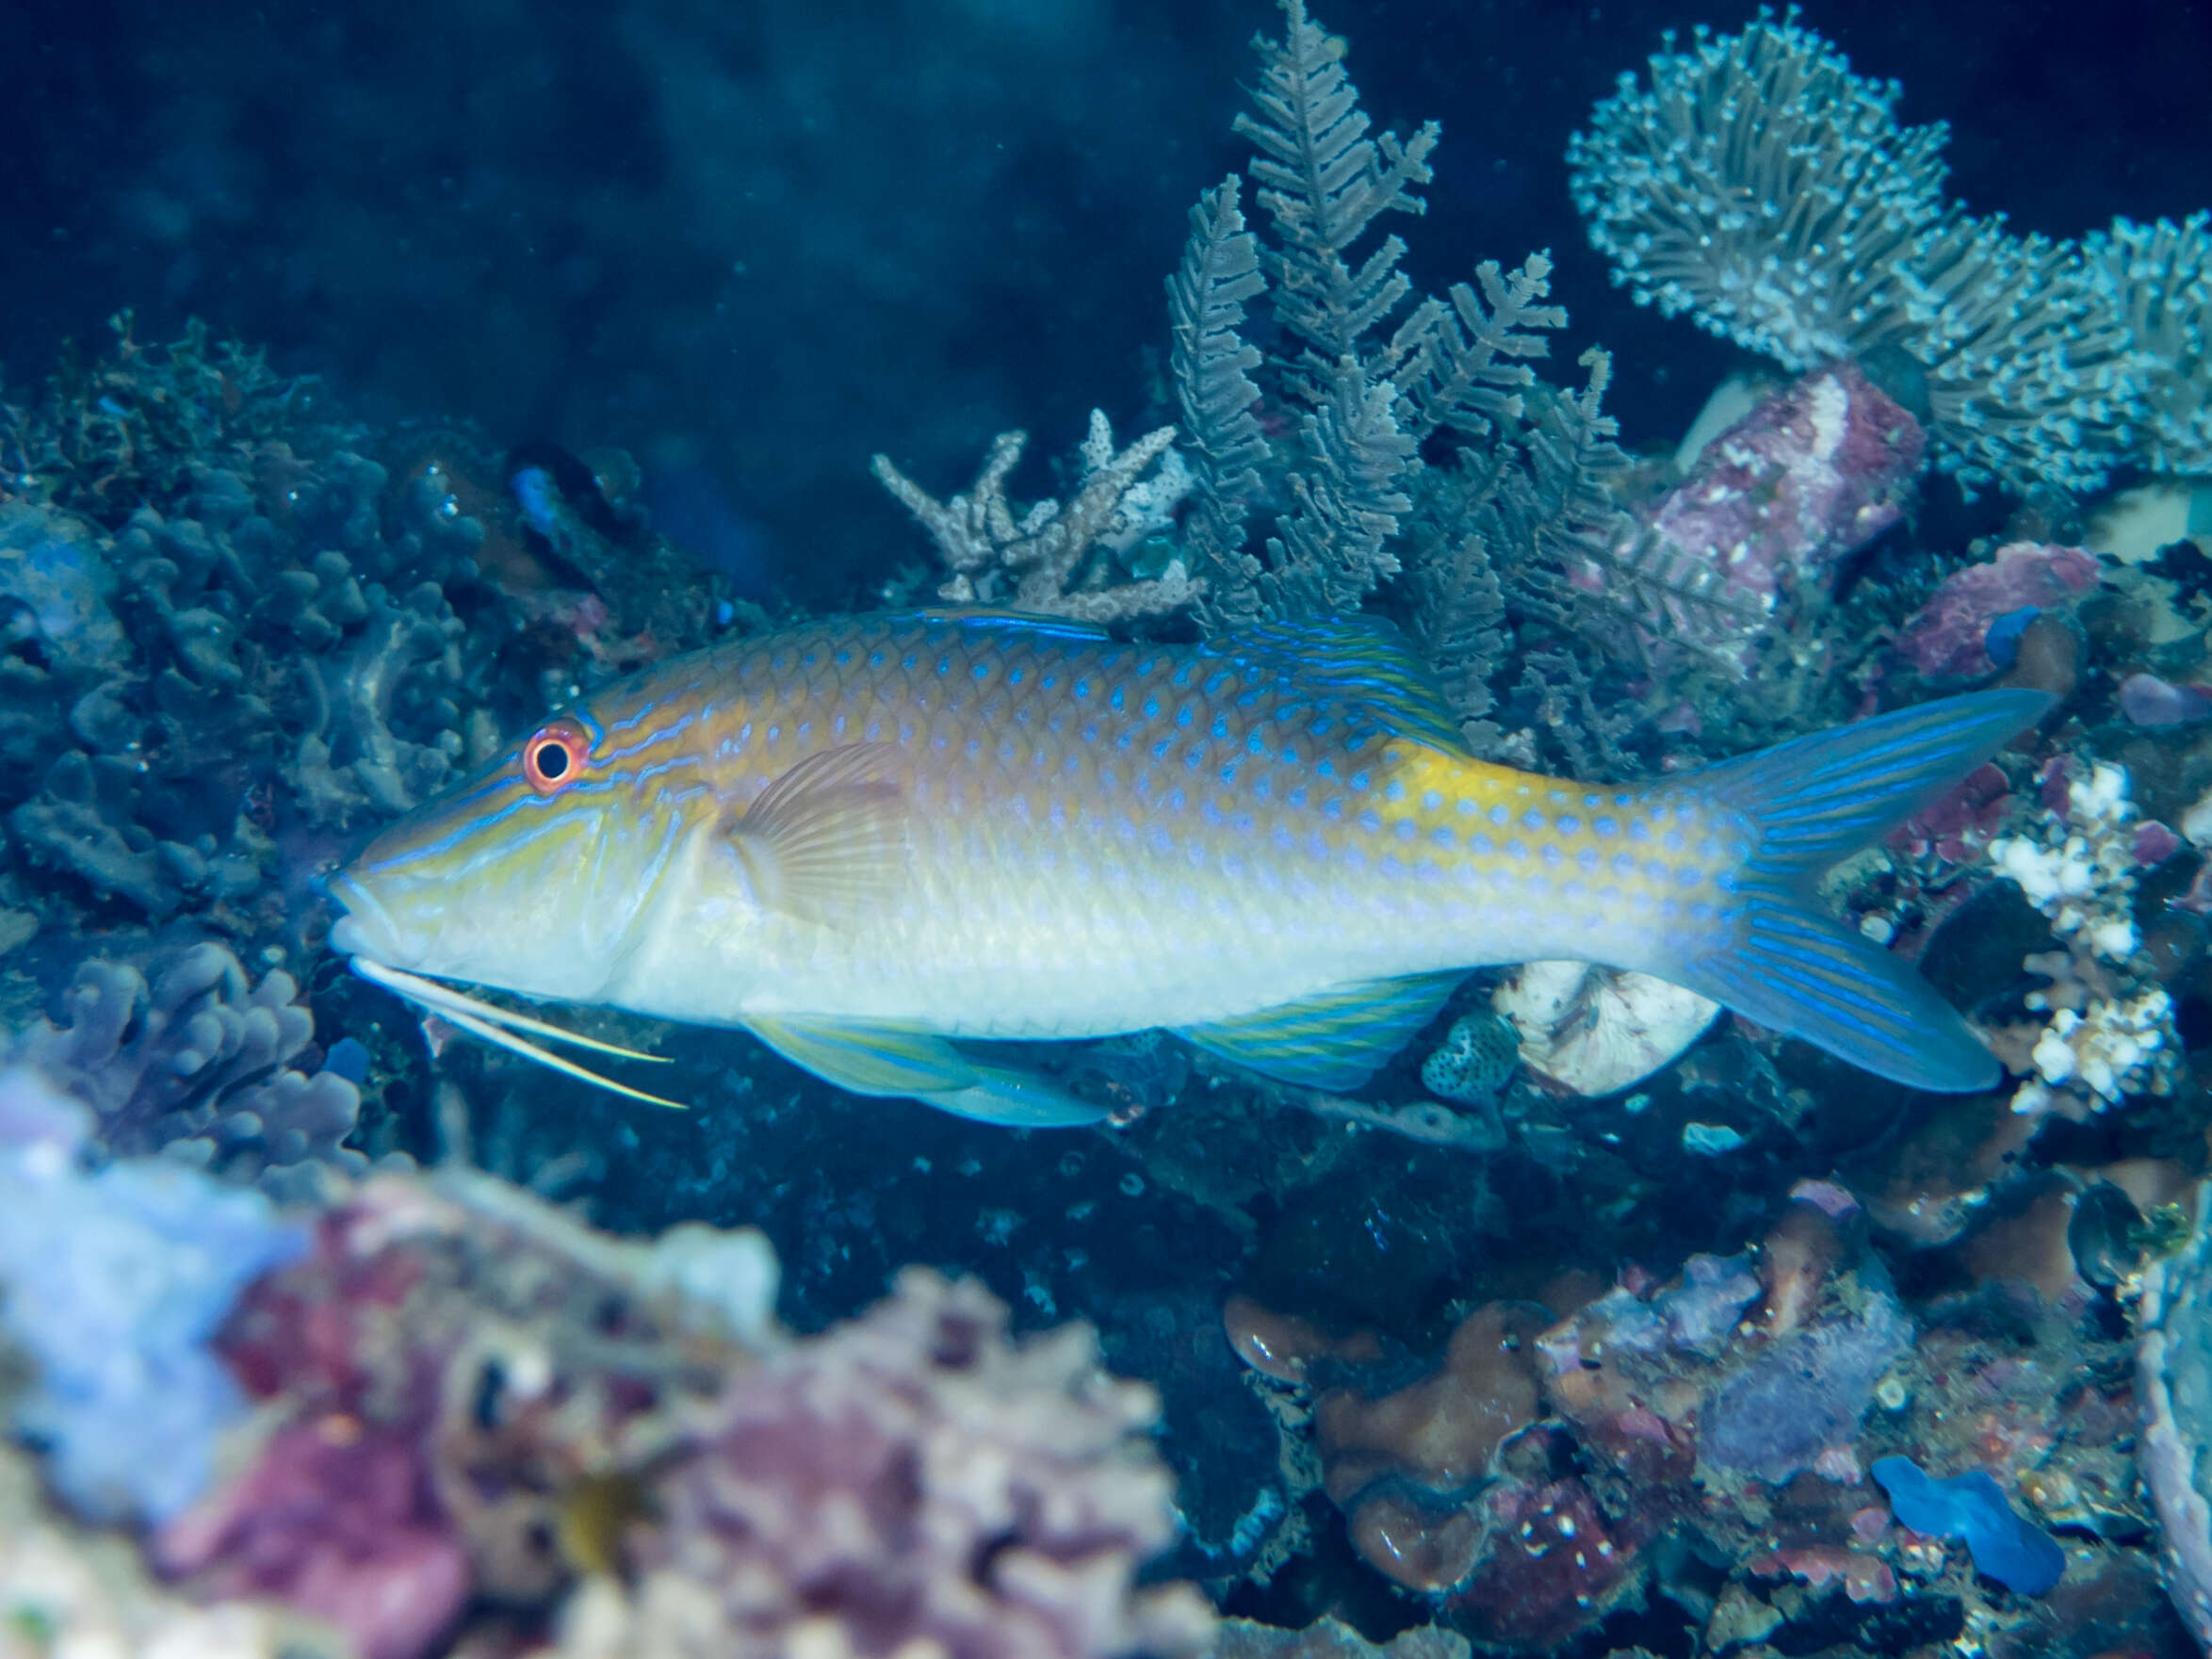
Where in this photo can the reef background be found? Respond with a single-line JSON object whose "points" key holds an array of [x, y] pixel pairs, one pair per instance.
{"points": [[754, 247], [754, 244]]}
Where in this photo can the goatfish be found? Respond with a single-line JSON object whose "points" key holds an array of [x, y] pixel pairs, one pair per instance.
{"points": [[877, 843]]}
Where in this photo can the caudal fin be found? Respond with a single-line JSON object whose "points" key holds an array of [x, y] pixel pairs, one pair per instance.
{"points": [[1787, 964]]}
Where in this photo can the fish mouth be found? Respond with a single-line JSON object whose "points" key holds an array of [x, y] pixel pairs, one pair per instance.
{"points": [[371, 941], [367, 929]]}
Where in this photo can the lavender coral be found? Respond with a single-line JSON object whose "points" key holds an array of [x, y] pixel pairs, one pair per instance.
{"points": [[912, 1480], [464, 1395], [65, 1589], [1761, 186], [193, 1059]]}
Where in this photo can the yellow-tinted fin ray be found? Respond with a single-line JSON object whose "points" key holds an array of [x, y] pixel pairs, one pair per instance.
{"points": [[1335, 1041], [500, 1027], [889, 1060]]}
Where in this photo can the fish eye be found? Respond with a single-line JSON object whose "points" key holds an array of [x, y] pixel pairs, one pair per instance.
{"points": [[555, 756]]}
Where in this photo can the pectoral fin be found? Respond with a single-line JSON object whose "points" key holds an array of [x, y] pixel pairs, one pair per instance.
{"points": [[889, 1060], [1334, 1041], [826, 841]]}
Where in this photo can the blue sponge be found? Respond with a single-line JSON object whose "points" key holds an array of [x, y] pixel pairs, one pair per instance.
{"points": [[2017, 1555], [112, 1284]]}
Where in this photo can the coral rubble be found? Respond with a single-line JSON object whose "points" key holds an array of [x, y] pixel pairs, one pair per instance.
{"points": [[460, 1397]]}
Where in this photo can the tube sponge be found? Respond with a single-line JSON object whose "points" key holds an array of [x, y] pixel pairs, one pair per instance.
{"points": [[2019, 1555]]}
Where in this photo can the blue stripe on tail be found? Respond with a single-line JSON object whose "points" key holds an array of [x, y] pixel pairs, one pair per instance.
{"points": [[1782, 962]]}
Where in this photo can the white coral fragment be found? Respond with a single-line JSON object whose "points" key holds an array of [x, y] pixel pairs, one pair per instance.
{"points": [[2110, 1032], [2079, 869], [1593, 1031]]}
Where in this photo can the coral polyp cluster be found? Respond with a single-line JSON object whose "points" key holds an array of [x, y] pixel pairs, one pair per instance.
{"points": [[1759, 185]]}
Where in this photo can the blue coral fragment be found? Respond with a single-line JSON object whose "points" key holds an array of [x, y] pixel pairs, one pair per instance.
{"points": [[2018, 1554]]}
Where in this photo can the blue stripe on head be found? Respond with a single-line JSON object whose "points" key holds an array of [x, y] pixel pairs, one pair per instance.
{"points": [[448, 841]]}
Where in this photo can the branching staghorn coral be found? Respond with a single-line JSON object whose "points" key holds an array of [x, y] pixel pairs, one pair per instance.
{"points": [[1327, 435], [1761, 186], [1053, 560]]}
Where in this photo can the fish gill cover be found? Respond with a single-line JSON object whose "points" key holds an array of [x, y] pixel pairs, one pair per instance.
{"points": [[1583, 1324]]}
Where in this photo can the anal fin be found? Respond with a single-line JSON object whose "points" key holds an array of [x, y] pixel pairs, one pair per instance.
{"points": [[894, 1060], [1334, 1041]]}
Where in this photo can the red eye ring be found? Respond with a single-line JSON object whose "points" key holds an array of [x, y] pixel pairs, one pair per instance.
{"points": [[555, 756]]}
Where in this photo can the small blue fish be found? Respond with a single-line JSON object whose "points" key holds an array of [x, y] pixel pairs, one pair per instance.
{"points": [[2018, 1554]]}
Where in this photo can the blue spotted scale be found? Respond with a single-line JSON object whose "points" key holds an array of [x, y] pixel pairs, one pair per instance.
{"points": [[883, 844]]}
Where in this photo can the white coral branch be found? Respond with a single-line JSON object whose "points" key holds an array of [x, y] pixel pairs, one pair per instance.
{"points": [[1054, 559]]}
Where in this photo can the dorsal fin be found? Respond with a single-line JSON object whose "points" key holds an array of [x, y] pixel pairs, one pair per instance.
{"points": [[989, 619], [1365, 660]]}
